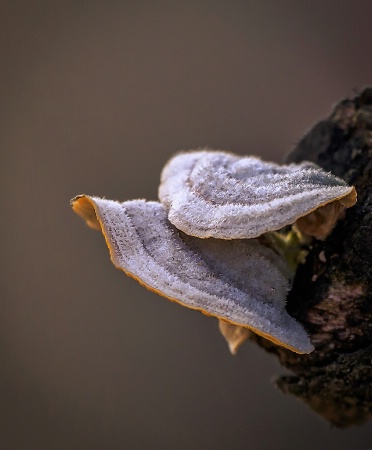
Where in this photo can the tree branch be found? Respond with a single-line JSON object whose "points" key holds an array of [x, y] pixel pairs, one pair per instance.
{"points": [[332, 293]]}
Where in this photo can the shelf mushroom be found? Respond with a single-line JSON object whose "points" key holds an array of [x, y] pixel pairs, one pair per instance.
{"points": [[226, 196], [241, 282], [237, 275]]}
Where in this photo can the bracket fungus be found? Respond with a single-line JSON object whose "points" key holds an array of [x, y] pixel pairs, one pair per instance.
{"points": [[237, 275], [225, 196]]}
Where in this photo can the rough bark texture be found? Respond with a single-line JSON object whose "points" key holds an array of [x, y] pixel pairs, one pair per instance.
{"points": [[332, 293]]}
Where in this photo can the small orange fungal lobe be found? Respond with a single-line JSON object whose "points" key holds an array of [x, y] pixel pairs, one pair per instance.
{"points": [[349, 199], [320, 222], [234, 335], [84, 207]]}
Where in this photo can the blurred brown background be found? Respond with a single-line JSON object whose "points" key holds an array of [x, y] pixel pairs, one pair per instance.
{"points": [[95, 97]]}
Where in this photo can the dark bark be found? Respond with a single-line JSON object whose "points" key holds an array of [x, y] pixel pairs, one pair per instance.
{"points": [[332, 293]]}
